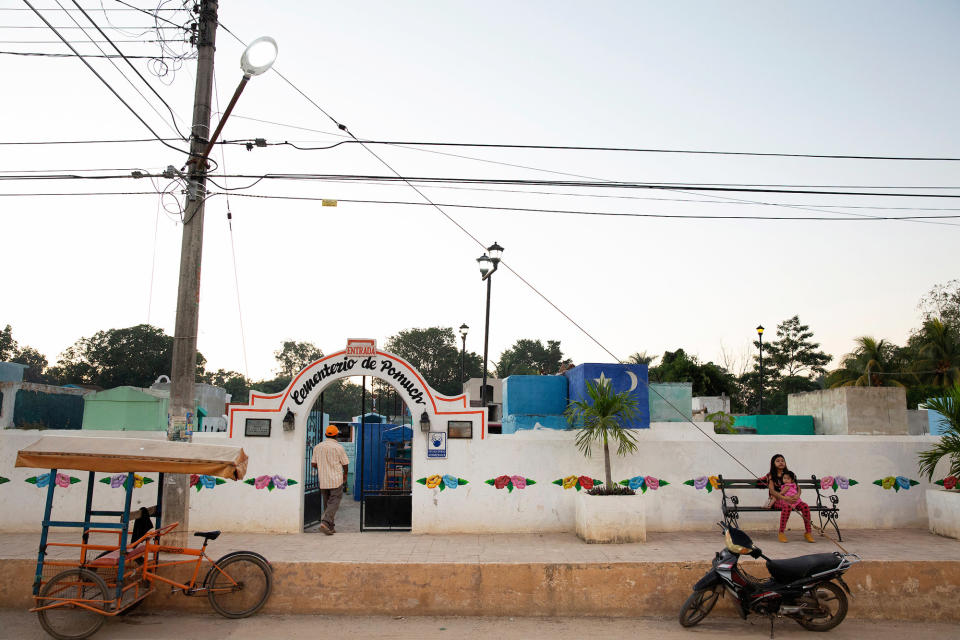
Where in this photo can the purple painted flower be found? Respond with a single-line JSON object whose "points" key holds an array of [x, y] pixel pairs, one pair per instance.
{"points": [[451, 482], [843, 482], [519, 482], [63, 480], [43, 479], [637, 481], [208, 482], [116, 481], [279, 482], [903, 482], [826, 482], [652, 483], [700, 483], [261, 482]]}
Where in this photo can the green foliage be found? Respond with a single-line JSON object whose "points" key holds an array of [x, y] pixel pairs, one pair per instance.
{"points": [[134, 356], [939, 354], [873, 363], [794, 353], [435, 353], [602, 417], [641, 357], [708, 379], [530, 357], [293, 357], [10, 351], [942, 302], [722, 422], [949, 445], [236, 384]]}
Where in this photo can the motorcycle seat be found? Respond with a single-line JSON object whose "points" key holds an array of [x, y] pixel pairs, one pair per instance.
{"points": [[791, 569]]}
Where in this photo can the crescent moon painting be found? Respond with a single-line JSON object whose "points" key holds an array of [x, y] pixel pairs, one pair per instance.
{"points": [[633, 381]]}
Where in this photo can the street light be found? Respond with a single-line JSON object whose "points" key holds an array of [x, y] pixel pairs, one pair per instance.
{"points": [[760, 333], [488, 265], [463, 350]]}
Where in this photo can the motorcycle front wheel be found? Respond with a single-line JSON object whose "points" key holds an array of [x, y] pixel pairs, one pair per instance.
{"points": [[698, 605], [832, 602]]}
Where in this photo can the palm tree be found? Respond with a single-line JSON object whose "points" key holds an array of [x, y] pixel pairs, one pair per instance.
{"points": [[949, 445], [940, 353], [873, 363], [603, 417], [641, 357]]}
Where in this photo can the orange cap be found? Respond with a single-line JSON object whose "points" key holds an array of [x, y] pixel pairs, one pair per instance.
{"points": [[332, 430]]}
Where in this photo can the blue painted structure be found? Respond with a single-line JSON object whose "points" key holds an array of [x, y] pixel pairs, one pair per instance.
{"points": [[532, 400], [938, 422], [620, 379], [378, 439]]}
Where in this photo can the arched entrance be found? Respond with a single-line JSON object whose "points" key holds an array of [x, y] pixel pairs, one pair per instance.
{"points": [[274, 428]]}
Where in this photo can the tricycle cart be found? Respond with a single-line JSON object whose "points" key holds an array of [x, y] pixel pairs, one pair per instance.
{"points": [[74, 596]]}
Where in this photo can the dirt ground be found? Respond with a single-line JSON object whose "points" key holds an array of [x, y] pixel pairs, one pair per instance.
{"points": [[178, 626]]}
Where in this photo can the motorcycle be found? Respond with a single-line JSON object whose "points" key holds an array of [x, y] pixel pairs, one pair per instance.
{"points": [[804, 589]]}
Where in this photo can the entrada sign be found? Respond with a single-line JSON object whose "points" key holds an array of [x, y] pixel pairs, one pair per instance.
{"points": [[361, 348]]}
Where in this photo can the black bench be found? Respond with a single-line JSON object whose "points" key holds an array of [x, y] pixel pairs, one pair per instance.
{"points": [[732, 508]]}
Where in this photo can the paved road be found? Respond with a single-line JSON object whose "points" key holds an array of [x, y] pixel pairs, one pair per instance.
{"points": [[178, 626]]}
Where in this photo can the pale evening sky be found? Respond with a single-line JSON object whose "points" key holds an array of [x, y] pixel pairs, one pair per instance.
{"points": [[863, 78]]}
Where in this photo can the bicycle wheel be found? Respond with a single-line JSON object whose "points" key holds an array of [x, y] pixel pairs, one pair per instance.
{"points": [[239, 585], [70, 621], [698, 605]]}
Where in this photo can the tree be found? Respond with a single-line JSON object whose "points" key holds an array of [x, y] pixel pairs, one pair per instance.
{"points": [[530, 357], [942, 302], [939, 354], [10, 351], [8, 346], [435, 354], [603, 417], [134, 356], [641, 357], [873, 363], [708, 379], [293, 357], [236, 384], [793, 353], [949, 445]]}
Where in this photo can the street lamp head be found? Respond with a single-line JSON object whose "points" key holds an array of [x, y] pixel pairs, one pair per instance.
{"points": [[259, 56], [485, 265], [760, 330], [463, 329], [495, 251]]}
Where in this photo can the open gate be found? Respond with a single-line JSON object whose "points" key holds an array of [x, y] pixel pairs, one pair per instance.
{"points": [[312, 508]]}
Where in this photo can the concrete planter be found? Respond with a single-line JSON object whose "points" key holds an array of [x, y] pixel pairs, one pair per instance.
{"points": [[610, 519], [943, 510]]}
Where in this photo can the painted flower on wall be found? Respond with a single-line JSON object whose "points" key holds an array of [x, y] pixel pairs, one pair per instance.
{"points": [[510, 482], [118, 480], [704, 482], [950, 482], [260, 482], [61, 480], [577, 482], [445, 481], [836, 482], [895, 482], [643, 483]]}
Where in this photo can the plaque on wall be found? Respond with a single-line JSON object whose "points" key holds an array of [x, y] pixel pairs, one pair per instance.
{"points": [[460, 429], [257, 428]]}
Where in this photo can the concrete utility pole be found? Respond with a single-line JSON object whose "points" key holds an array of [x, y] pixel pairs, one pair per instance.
{"points": [[176, 496]]}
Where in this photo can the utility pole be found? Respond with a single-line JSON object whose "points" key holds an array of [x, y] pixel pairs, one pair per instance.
{"points": [[176, 496]]}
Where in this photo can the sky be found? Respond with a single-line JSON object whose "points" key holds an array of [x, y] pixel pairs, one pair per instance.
{"points": [[853, 78]]}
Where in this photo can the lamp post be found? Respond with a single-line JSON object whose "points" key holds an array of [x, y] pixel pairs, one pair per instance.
{"points": [[257, 58], [760, 333], [463, 349], [488, 265]]}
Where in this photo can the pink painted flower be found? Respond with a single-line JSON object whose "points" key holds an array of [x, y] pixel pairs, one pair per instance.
{"points": [[279, 482], [261, 482], [826, 482], [843, 482], [63, 480], [652, 483], [519, 482], [194, 479], [501, 481], [700, 483]]}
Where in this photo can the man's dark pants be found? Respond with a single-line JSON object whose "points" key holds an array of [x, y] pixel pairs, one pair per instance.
{"points": [[331, 502]]}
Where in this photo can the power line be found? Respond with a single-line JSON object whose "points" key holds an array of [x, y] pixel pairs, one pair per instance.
{"points": [[101, 78], [35, 54]]}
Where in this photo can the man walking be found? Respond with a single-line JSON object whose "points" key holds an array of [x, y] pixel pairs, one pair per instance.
{"points": [[331, 462]]}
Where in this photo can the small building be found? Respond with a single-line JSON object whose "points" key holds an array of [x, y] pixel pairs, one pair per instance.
{"points": [[879, 411], [126, 409], [28, 405]]}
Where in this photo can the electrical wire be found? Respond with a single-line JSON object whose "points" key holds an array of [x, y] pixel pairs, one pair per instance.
{"points": [[34, 54], [107, 84]]}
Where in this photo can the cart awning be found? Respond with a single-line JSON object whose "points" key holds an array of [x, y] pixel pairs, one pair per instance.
{"points": [[113, 455]]}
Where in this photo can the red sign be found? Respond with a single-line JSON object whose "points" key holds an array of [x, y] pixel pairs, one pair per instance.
{"points": [[361, 348]]}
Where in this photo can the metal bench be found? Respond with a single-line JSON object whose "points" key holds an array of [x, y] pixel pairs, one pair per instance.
{"points": [[731, 507]]}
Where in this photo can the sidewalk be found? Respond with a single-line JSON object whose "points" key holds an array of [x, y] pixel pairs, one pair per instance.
{"points": [[906, 574]]}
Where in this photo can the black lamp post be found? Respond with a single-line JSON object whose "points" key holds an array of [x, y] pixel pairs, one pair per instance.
{"points": [[760, 333], [463, 349], [488, 264]]}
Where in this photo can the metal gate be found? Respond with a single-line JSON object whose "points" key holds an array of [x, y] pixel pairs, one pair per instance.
{"points": [[384, 464], [312, 509]]}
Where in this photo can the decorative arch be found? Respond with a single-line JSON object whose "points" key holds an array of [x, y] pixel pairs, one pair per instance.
{"points": [[306, 386]]}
